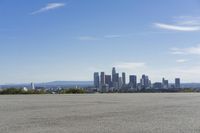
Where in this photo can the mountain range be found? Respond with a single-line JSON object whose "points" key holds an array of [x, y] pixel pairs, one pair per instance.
{"points": [[53, 84], [78, 83]]}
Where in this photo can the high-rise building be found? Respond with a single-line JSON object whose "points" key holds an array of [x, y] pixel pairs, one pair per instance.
{"points": [[177, 83], [157, 85], [104, 88], [145, 82], [32, 86], [113, 74], [116, 77], [165, 83], [120, 83], [96, 80], [133, 81], [123, 78], [116, 81], [108, 80], [102, 78]]}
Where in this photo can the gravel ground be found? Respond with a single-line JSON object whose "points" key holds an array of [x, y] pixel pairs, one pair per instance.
{"points": [[101, 113]]}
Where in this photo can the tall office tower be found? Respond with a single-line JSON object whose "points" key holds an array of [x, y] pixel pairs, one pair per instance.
{"points": [[145, 82], [108, 80], [32, 86], [96, 80], [133, 81], [115, 77], [177, 83], [157, 85], [149, 83], [116, 81], [120, 83], [123, 78], [102, 78], [165, 83], [113, 74]]}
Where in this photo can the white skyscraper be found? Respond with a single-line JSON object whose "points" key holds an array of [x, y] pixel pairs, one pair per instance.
{"points": [[32, 86]]}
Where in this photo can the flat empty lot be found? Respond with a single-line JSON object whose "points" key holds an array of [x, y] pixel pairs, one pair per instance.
{"points": [[101, 113]]}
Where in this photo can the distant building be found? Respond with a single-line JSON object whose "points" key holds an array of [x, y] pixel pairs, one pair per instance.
{"points": [[102, 78], [116, 77], [120, 83], [32, 86], [123, 78], [165, 83], [25, 89], [116, 81], [145, 82], [177, 83], [96, 80], [157, 85], [104, 88], [113, 74], [133, 81], [108, 80]]}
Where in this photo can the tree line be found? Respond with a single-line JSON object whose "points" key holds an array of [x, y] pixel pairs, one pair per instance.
{"points": [[15, 91]]}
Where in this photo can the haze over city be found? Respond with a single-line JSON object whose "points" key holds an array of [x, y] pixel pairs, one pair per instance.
{"points": [[68, 40]]}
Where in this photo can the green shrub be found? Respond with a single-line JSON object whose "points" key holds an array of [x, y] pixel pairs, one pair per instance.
{"points": [[12, 91], [72, 91]]}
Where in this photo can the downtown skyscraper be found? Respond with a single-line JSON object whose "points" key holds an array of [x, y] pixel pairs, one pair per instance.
{"points": [[96, 80], [133, 81], [102, 77], [177, 83], [123, 78]]}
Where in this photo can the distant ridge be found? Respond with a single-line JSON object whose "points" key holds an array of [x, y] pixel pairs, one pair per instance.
{"points": [[67, 83], [53, 84], [190, 85], [79, 83]]}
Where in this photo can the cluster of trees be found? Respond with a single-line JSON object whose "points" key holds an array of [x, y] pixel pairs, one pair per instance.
{"points": [[189, 90], [72, 91], [13, 91]]}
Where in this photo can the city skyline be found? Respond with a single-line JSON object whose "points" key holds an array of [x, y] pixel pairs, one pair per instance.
{"points": [[116, 82], [66, 40]]}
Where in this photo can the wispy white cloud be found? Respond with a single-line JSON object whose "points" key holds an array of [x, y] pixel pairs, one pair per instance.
{"points": [[49, 6], [181, 23], [112, 36], [195, 50], [188, 20], [176, 27], [92, 38], [130, 65], [195, 70], [181, 60], [177, 51], [87, 38]]}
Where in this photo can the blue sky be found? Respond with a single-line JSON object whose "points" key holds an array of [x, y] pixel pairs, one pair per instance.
{"points": [[47, 40]]}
